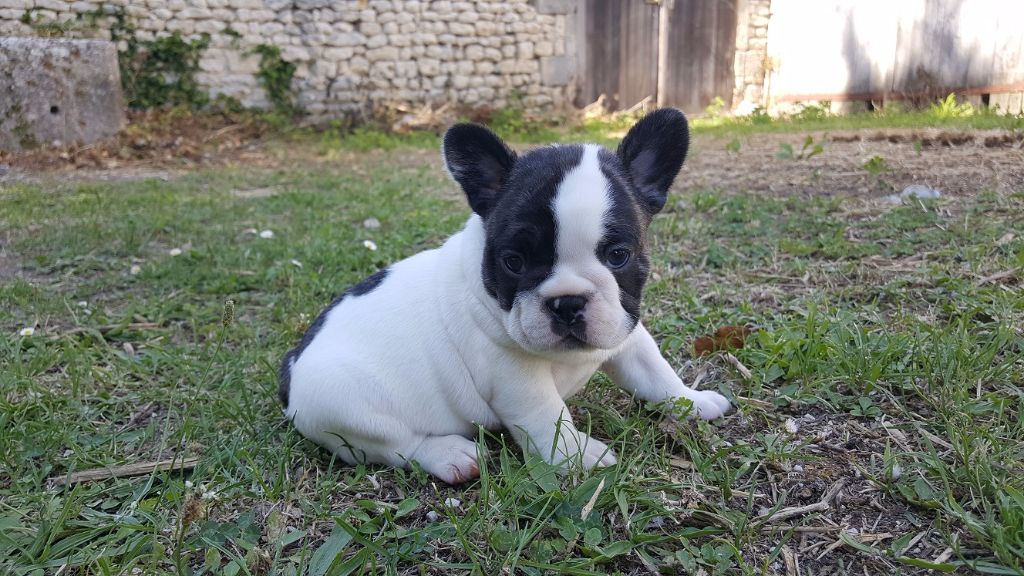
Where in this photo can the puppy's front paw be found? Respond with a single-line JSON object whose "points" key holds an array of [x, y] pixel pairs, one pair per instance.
{"points": [[597, 454], [449, 458], [708, 404]]}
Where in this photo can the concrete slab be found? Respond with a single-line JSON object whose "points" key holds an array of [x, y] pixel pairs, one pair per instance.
{"points": [[58, 90]]}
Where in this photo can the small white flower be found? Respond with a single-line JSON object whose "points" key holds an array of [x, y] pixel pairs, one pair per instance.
{"points": [[370, 245], [896, 473], [82, 304], [209, 495], [452, 502], [792, 426], [189, 484], [296, 263], [135, 269], [432, 516], [27, 331], [267, 234], [175, 252]]}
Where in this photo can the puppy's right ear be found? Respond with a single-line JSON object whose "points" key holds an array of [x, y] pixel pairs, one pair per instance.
{"points": [[480, 162]]}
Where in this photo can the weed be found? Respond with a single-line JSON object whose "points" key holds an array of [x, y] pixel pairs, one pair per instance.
{"points": [[948, 108], [276, 75], [809, 150], [876, 165]]}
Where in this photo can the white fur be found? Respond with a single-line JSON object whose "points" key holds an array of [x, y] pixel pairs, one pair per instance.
{"points": [[407, 371]]}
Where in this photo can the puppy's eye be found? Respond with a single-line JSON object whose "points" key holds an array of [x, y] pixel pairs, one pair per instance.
{"points": [[618, 257], [513, 263]]}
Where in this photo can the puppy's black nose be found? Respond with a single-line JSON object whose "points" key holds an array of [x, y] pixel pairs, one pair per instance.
{"points": [[566, 309]]}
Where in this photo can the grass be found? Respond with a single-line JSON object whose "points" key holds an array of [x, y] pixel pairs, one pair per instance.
{"points": [[888, 357], [512, 124]]}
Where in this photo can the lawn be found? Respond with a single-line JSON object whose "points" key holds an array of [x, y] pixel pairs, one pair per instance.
{"points": [[879, 399]]}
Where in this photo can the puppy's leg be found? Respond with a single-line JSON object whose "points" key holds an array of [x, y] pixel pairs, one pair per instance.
{"points": [[640, 368], [450, 458], [540, 422]]}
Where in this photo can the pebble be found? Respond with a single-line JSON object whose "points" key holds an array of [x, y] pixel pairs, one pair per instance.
{"points": [[914, 191], [371, 223]]}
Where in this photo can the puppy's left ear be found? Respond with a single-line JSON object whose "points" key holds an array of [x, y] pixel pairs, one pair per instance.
{"points": [[480, 162], [653, 152]]}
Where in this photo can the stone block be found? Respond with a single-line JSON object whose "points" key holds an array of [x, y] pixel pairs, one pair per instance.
{"points": [[555, 70], [58, 90]]}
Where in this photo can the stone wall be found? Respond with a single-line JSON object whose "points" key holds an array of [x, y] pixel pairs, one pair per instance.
{"points": [[352, 54], [751, 54]]}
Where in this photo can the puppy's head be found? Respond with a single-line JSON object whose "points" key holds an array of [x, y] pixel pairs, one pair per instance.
{"points": [[565, 254]]}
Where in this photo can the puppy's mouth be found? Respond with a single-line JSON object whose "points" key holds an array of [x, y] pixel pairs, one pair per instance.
{"points": [[572, 337]]}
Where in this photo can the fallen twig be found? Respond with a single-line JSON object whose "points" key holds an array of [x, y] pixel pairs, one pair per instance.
{"points": [[743, 370], [110, 328], [137, 469], [792, 562], [819, 506]]}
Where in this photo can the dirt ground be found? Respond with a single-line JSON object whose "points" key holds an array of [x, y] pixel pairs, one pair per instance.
{"points": [[864, 163], [955, 163]]}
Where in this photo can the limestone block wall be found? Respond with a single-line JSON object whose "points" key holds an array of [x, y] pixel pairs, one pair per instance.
{"points": [[751, 54], [350, 54]]}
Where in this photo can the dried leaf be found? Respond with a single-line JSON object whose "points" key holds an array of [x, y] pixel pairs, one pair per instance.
{"points": [[725, 338]]}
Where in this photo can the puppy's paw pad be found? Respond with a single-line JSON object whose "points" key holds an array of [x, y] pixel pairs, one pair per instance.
{"points": [[709, 405]]}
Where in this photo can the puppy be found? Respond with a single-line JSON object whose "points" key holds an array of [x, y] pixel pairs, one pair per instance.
{"points": [[507, 319]]}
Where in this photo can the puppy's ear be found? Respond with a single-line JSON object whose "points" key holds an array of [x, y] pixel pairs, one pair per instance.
{"points": [[653, 152], [480, 162]]}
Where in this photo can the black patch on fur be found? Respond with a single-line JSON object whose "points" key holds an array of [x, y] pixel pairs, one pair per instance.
{"points": [[522, 222], [284, 374], [625, 225]]}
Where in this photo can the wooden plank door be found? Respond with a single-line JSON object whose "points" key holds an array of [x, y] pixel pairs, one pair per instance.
{"points": [[701, 46], [620, 54]]}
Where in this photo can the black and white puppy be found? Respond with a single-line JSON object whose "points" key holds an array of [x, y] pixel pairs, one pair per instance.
{"points": [[507, 319]]}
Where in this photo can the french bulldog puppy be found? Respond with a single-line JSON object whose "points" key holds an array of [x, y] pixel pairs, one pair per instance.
{"points": [[507, 319]]}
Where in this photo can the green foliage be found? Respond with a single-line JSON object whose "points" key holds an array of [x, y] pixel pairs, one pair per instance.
{"points": [[22, 131], [715, 109], [876, 165], [809, 150], [44, 27], [160, 72], [275, 74], [513, 123], [948, 108]]}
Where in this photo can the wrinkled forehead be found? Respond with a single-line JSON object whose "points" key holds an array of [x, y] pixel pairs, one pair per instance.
{"points": [[577, 189]]}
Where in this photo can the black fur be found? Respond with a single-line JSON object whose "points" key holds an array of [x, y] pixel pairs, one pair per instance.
{"points": [[480, 162], [653, 153], [627, 226], [284, 374], [522, 222]]}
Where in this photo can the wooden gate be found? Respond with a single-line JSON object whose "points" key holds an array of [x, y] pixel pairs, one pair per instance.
{"points": [[620, 42], [620, 52], [701, 46]]}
